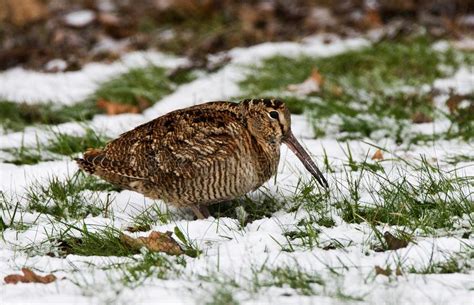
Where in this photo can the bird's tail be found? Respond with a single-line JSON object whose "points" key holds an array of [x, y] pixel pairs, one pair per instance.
{"points": [[91, 158]]}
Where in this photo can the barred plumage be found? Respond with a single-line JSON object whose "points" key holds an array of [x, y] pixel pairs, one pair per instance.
{"points": [[200, 155]]}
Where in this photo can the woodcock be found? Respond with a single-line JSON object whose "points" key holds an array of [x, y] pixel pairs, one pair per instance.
{"points": [[201, 155]]}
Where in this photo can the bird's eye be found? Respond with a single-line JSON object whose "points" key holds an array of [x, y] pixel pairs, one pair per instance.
{"points": [[273, 114]]}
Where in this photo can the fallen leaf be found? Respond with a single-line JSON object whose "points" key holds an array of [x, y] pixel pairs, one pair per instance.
{"points": [[372, 18], [143, 103], [29, 277], [311, 85], [108, 19], [113, 108], [394, 243], [377, 155], [156, 242], [454, 101], [382, 271], [420, 117]]}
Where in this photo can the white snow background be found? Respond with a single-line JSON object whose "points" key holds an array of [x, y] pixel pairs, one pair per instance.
{"points": [[229, 253]]}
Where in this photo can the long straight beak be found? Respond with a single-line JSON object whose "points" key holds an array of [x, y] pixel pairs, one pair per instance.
{"points": [[301, 153]]}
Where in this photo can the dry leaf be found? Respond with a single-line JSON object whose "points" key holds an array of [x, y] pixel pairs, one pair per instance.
{"points": [[378, 155], [454, 101], [112, 108], [382, 271], [420, 117], [372, 19], [156, 242], [29, 277], [311, 85], [393, 242], [108, 19]]}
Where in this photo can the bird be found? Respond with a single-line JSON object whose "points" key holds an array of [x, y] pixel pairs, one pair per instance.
{"points": [[201, 155]]}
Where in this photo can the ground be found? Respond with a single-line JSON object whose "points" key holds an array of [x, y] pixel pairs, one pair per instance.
{"points": [[390, 123]]}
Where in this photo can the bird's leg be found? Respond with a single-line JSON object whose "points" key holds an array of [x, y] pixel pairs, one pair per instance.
{"points": [[197, 212], [205, 211], [201, 211]]}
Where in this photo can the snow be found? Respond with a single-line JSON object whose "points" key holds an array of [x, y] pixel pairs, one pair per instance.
{"points": [[21, 85], [462, 82], [79, 18], [230, 252]]}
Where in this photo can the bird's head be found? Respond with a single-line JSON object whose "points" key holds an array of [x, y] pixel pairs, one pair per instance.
{"points": [[270, 120]]}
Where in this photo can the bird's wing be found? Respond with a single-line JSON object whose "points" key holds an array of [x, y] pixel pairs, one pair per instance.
{"points": [[180, 143]]}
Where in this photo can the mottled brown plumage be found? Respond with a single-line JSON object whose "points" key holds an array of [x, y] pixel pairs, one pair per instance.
{"points": [[201, 155]]}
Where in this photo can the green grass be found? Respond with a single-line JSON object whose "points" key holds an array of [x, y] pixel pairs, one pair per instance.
{"points": [[222, 296], [26, 155], [68, 145], [66, 199], [385, 65], [142, 264], [246, 209], [302, 282], [149, 217], [430, 200], [455, 159], [456, 263], [12, 210], [150, 83], [306, 234], [101, 243], [17, 116], [151, 265], [362, 88], [60, 145]]}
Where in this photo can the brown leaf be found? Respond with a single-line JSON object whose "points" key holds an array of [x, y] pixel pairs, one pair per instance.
{"points": [[454, 101], [311, 85], [113, 108], [156, 242], [393, 242], [108, 19], [420, 117], [382, 271], [377, 155], [29, 277], [372, 19]]}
